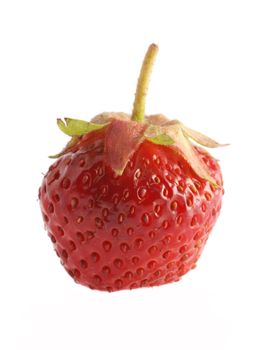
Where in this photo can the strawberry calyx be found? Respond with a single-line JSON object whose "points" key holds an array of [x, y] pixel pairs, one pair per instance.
{"points": [[125, 133], [123, 136]]}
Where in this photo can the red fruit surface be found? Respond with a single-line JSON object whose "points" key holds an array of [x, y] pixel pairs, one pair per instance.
{"points": [[146, 227]]}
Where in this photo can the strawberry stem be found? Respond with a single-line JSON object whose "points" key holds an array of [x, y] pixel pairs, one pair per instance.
{"points": [[138, 112]]}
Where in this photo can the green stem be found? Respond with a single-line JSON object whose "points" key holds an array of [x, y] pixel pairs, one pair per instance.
{"points": [[138, 112]]}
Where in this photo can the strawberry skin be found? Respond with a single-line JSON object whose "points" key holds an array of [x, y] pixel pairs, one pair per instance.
{"points": [[146, 227]]}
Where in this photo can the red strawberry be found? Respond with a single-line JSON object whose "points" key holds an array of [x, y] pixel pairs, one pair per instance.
{"points": [[131, 202]]}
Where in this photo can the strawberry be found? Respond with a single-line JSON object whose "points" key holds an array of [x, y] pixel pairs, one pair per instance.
{"points": [[130, 201]]}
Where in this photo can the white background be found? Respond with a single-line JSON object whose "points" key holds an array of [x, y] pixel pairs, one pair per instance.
{"points": [[214, 72]]}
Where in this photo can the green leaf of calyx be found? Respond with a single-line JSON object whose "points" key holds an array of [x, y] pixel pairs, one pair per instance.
{"points": [[77, 127], [162, 139]]}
